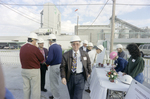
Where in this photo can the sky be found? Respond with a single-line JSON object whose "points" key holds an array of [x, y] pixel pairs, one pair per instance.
{"points": [[13, 24]]}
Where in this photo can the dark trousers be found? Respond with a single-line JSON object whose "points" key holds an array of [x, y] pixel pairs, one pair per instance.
{"points": [[76, 86], [43, 72]]}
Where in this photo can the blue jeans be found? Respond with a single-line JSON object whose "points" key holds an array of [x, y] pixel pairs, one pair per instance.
{"points": [[139, 78]]}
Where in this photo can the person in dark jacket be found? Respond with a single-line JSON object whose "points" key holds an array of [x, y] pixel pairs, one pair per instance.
{"points": [[136, 63], [121, 53], [84, 47], [119, 62], [75, 69], [43, 67]]}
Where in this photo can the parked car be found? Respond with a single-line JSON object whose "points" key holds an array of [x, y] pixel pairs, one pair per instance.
{"points": [[11, 47], [145, 49], [1, 47], [6, 47]]}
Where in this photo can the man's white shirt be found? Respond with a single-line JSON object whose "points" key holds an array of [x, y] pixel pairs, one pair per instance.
{"points": [[84, 48], [79, 68]]}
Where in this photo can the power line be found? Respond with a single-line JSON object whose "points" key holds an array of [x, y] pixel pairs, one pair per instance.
{"points": [[31, 18], [22, 7], [98, 15], [74, 4], [25, 15], [21, 14]]}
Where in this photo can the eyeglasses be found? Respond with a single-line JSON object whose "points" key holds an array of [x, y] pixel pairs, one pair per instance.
{"points": [[75, 44], [35, 39]]}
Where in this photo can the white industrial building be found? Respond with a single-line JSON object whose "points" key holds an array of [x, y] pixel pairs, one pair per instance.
{"points": [[50, 20]]}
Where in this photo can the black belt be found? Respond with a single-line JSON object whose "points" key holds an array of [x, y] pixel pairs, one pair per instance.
{"points": [[76, 73]]}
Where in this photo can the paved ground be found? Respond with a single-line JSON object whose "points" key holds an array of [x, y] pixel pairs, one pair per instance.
{"points": [[14, 83]]}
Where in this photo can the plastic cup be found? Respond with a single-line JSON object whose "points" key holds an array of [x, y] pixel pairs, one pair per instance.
{"points": [[101, 65], [107, 64]]}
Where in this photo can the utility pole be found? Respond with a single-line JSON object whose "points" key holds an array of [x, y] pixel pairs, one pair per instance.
{"points": [[41, 18], [112, 26], [77, 24]]}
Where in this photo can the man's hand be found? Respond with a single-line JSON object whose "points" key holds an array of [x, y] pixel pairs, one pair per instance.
{"points": [[123, 74], [88, 76], [44, 64], [63, 80]]}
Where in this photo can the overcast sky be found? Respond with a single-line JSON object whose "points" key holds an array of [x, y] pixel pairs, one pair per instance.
{"points": [[13, 24]]}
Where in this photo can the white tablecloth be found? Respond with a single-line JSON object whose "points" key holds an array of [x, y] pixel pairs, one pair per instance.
{"points": [[100, 83]]}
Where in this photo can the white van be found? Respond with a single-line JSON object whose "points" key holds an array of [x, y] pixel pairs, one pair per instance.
{"points": [[145, 49]]}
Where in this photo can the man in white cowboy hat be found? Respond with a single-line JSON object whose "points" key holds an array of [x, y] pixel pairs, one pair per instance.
{"points": [[30, 58], [43, 67], [75, 69], [84, 47], [93, 57]]}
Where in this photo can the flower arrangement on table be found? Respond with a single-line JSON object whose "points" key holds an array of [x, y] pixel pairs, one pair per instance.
{"points": [[112, 74]]}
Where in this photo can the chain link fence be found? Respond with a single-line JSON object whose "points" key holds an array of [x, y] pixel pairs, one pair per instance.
{"points": [[10, 57]]}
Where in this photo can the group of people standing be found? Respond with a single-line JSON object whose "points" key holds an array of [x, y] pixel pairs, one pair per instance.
{"points": [[35, 60], [74, 66]]}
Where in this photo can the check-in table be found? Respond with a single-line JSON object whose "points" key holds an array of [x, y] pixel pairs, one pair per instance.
{"points": [[99, 84]]}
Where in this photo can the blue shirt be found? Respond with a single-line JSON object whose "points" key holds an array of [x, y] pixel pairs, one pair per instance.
{"points": [[54, 55], [120, 64]]}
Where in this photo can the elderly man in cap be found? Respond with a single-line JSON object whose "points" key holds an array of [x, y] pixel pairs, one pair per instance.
{"points": [[30, 57], [54, 60], [93, 57], [75, 69], [84, 47]]}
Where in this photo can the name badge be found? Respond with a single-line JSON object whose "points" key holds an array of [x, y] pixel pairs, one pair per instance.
{"points": [[133, 60], [84, 58]]}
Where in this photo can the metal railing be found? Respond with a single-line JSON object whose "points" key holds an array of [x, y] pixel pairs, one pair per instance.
{"points": [[146, 71], [102, 36]]}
